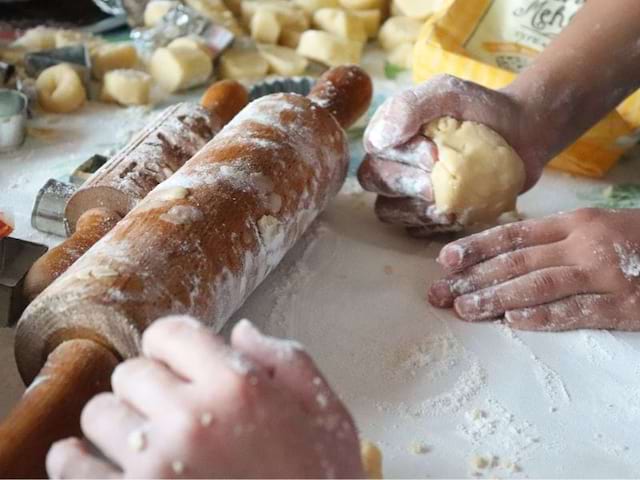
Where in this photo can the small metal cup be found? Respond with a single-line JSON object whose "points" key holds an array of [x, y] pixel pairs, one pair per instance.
{"points": [[48, 210], [13, 119]]}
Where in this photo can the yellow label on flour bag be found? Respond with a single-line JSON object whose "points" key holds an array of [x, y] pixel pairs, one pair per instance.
{"points": [[490, 41]]}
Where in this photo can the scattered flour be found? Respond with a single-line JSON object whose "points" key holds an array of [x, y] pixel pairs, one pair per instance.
{"points": [[629, 261]]}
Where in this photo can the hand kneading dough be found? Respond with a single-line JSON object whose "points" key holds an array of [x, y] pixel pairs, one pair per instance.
{"points": [[180, 68], [60, 89], [478, 176], [126, 87]]}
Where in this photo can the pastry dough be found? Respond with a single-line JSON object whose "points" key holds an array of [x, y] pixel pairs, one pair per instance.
{"points": [[290, 38], [113, 56], [282, 60], [126, 87], [402, 55], [399, 30], [193, 41], [371, 19], [60, 89], [180, 68], [418, 9], [238, 63], [39, 38], [371, 459], [156, 9], [265, 27], [478, 176], [340, 22], [311, 6], [362, 4], [329, 49]]}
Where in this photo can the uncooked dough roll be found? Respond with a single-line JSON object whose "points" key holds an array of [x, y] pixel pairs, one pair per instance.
{"points": [[478, 175]]}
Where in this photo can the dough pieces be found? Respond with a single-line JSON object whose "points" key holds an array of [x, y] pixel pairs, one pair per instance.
{"points": [[60, 89], [399, 30], [329, 49], [238, 63], [282, 60], [126, 87], [180, 68], [478, 176], [156, 9], [371, 459], [341, 23], [113, 56]]}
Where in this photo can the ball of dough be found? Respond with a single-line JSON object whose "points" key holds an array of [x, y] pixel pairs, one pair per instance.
{"points": [[478, 176], [60, 89]]}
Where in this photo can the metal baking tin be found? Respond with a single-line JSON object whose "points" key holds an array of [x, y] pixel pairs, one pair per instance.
{"points": [[301, 85], [18, 257], [48, 210], [13, 119]]}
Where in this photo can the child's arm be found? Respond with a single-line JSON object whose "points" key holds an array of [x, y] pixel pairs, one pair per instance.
{"points": [[194, 407], [583, 74]]}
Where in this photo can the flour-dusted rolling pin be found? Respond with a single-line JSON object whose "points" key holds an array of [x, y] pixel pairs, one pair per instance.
{"points": [[199, 243], [149, 159]]}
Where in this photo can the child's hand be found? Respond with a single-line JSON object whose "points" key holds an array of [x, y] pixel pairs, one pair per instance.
{"points": [[569, 271], [399, 160], [195, 407]]}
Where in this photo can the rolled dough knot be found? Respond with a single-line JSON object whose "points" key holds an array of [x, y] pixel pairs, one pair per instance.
{"points": [[478, 175]]}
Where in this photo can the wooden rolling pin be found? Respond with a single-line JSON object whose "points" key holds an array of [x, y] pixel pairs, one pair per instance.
{"points": [[200, 242], [149, 159]]}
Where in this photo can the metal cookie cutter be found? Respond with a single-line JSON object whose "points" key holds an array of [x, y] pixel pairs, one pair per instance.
{"points": [[48, 210], [13, 119], [301, 85], [16, 258]]}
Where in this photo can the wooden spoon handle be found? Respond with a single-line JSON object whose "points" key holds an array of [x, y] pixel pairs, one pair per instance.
{"points": [[50, 408]]}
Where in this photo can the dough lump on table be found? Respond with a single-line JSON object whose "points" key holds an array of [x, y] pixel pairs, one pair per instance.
{"points": [[478, 176]]}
